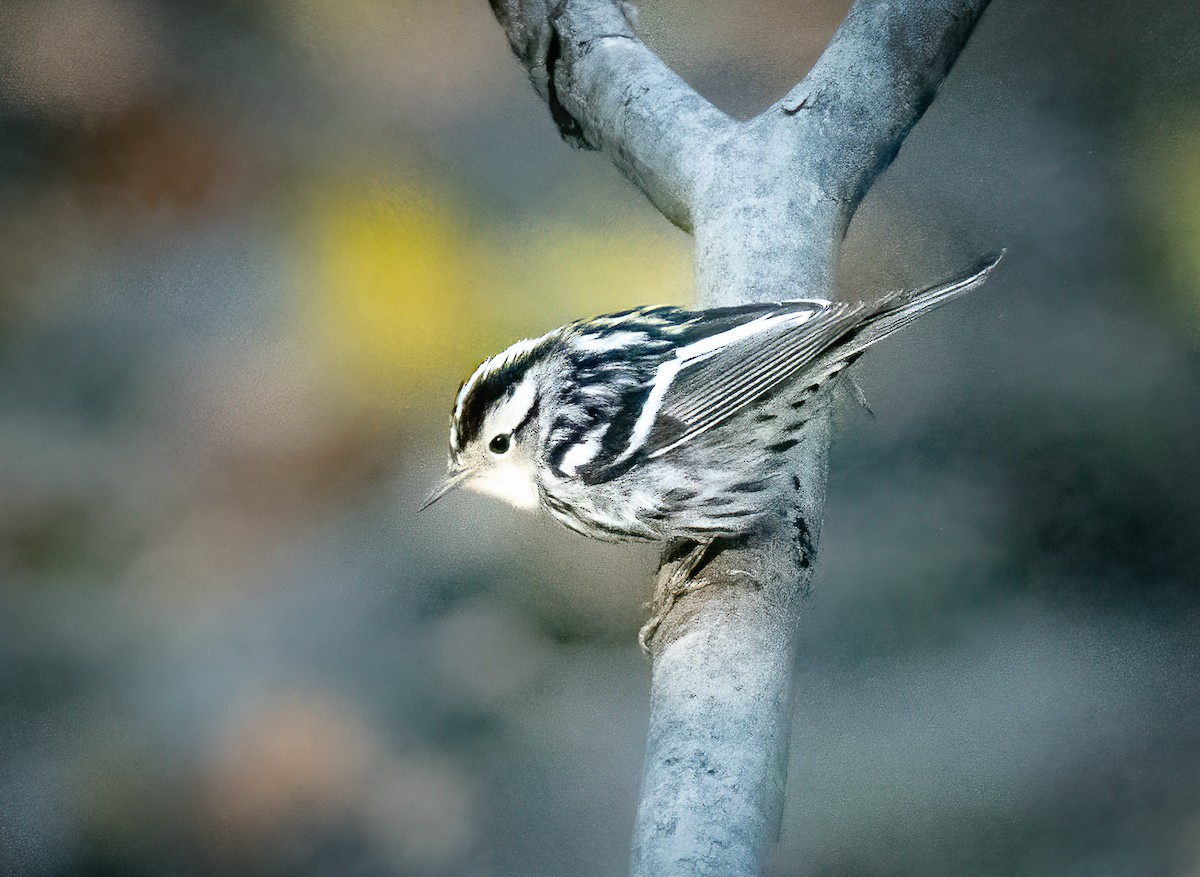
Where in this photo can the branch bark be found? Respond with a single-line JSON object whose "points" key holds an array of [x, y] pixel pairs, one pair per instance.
{"points": [[769, 201]]}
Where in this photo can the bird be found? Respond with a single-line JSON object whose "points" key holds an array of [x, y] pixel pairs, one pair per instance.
{"points": [[662, 424]]}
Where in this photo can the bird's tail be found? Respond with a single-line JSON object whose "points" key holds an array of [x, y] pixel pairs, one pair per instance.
{"points": [[902, 308], [893, 313]]}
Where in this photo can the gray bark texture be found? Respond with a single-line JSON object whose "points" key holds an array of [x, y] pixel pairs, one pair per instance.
{"points": [[768, 201]]}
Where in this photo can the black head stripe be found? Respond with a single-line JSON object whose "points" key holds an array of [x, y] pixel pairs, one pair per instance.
{"points": [[489, 388]]}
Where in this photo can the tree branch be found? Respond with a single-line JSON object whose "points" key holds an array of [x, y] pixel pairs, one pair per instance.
{"points": [[806, 163], [608, 91], [721, 693], [769, 202], [879, 73]]}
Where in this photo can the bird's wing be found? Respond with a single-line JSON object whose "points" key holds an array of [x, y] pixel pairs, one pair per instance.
{"points": [[615, 362], [710, 381], [714, 365]]}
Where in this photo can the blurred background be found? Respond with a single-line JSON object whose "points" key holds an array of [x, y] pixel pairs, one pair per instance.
{"points": [[248, 249]]}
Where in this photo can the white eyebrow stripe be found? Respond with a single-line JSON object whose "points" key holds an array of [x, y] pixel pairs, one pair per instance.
{"points": [[691, 354], [492, 363], [513, 412]]}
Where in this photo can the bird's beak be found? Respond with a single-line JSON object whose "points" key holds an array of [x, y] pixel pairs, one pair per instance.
{"points": [[452, 481]]}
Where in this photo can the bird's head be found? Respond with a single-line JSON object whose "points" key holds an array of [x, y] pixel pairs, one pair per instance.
{"points": [[494, 427]]}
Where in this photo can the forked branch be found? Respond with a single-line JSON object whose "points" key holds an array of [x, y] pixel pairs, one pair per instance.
{"points": [[769, 201]]}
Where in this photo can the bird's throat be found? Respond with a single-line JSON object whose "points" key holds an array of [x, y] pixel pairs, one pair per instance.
{"points": [[511, 482]]}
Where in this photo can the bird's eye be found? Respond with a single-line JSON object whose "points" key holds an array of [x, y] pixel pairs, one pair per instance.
{"points": [[499, 444]]}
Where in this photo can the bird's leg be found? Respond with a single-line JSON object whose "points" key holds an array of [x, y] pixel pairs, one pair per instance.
{"points": [[670, 588]]}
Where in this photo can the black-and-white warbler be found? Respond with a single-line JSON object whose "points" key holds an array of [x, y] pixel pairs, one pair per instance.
{"points": [[659, 423]]}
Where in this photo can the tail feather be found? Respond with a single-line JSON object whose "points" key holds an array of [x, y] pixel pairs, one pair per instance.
{"points": [[897, 311], [905, 307]]}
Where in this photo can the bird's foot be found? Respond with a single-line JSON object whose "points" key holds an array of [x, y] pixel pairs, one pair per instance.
{"points": [[679, 583]]}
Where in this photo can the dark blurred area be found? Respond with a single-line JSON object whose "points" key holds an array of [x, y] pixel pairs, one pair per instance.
{"points": [[249, 247]]}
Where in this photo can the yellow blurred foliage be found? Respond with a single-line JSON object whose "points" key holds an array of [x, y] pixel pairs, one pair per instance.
{"points": [[408, 290], [386, 280], [1177, 209]]}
